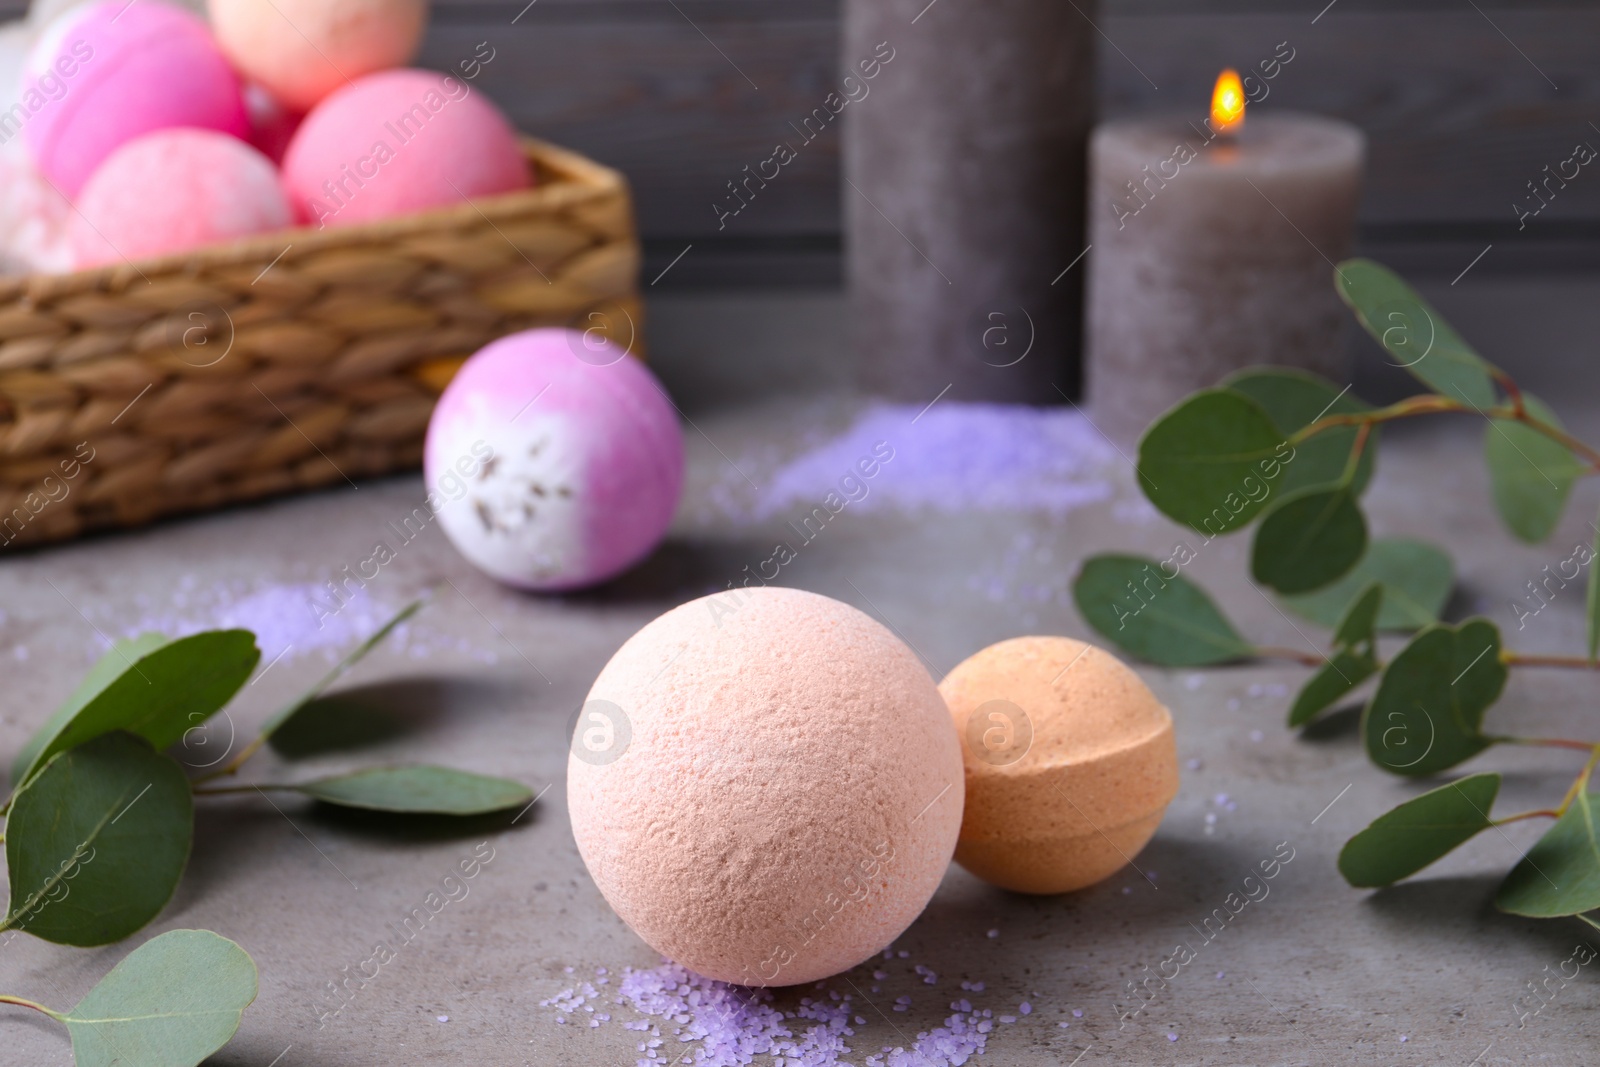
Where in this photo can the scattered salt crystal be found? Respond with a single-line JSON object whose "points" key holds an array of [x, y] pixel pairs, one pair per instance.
{"points": [[903, 954], [1008, 1018], [994, 933], [977, 987], [1065, 1026], [880, 975], [1172, 1037], [1077, 1013], [1403, 1037], [1192, 682], [1194, 765], [443, 1018], [957, 457], [1025, 1008]]}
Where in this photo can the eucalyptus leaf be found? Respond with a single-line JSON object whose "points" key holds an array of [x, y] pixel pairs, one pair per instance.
{"points": [[97, 842], [1530, 476], [1209, 462], [1309, 540], [1416, 577], [274, 724], [419, 790], [1168, 621], [1403, 841], [171, 1002], [1415, 335], [172, 688], [1295, 399], [1560, 875], [1427, 715], [1353, 662], [1593, 605], [106, 670]]}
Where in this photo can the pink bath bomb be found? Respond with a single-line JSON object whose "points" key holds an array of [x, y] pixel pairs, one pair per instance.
{"points": [[765, 785], [174, 190], [553, 460], [397, 142], [272, 125], [302, 50], [106, 73]]}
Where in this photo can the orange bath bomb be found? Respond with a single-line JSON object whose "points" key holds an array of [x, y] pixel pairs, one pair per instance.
{"points": [[764, 785], [302, 50], [1070, 763]]}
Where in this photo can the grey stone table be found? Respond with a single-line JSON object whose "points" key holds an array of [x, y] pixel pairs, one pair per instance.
{"points": [[1316, 973]]}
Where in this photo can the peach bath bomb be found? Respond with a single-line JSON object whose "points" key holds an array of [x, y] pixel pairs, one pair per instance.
{"points": [[174, 190], [397, 142], [555, 459], [106, 73], [1070, 763], [302, 50], [765, 786]]}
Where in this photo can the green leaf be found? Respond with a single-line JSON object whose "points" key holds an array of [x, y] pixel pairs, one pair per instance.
{"points": [[1403, 841], [421, 790], [1309, 540], [1560, 875], [160, 695], [1530, 475], [1168, 621], [1353, 663], [1415, 335], [97, 842], [1416, 579], [105, 671], [1427, 715], [275, 723], [1594, 596], [1360, 623], [1203, 462], [172, 1002], [1294, 400]]}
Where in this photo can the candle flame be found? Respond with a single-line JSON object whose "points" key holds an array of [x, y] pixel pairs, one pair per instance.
{"points": [[1227, 102]]}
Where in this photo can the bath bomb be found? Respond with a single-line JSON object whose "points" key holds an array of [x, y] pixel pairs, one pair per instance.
{"points": [[765, 786], [1070, 762], [174, 190], [397, 142], [555, 460], [302, 50], [272, 125], [106, 73]]}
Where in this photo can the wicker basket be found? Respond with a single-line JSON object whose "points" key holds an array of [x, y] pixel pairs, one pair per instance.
{"points": [[291, 361]]}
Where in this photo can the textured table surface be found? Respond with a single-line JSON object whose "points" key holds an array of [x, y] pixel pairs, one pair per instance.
{"points": [[1315, 973]]}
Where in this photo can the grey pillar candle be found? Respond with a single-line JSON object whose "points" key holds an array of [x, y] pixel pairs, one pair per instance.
{"points": [[963, 195], [1213, 253]]}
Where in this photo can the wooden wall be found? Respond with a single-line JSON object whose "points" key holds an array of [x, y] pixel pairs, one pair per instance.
{"points": [[1465, 103]]}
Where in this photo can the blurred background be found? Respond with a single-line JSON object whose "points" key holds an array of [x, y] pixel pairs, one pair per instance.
{"points": [[1464, 102]]}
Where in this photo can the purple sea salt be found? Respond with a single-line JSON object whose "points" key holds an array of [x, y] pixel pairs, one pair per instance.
{"points": [[956, 457]]}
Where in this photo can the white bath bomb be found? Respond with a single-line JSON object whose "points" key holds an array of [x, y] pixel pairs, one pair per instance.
{"points": [[766, 786]]}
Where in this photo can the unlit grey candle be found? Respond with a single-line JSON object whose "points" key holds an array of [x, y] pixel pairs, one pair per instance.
{"points": [[1212, 252]]}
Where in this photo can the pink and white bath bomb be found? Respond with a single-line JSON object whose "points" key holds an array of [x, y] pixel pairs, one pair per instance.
{"points": [[765, 785], [397, 142], [174, 190], [302, 50], [106, 73], [584, 460]]}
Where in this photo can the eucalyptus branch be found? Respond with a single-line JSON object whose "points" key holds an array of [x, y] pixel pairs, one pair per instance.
{"points": [[21, 1003], [1363, 435], [1542, 813], [1426, 404], [1545, 742], [1293, 655], [225, 790], [233, 765], [1523, 659]]}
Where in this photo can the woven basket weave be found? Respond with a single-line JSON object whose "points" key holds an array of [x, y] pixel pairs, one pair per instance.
{"points": [[290, 361]]}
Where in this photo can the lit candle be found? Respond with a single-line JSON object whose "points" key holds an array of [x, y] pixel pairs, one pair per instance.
{"points": [[1213, 248]]}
